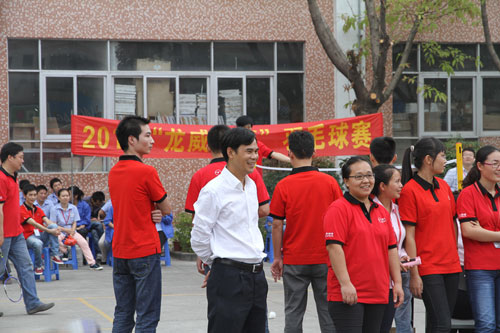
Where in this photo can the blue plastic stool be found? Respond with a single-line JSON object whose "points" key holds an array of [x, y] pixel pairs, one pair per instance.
{"points": [[166, 257], [74, 260], [109, 258], [50, 268]]}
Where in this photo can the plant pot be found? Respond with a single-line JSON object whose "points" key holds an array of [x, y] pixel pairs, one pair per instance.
{"points": [[177, 246]]}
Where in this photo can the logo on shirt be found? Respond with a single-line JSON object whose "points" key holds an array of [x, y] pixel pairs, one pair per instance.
{"points": [[328, 234], [382, 220], [217, 172], [462, 215]]}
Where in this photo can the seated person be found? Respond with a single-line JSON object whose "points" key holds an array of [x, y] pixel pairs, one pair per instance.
{"points": [[107, 238], [38, 231], [96, 201], [41, 199]]}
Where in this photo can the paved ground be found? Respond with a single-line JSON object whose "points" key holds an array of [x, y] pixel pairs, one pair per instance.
{"points": [[88, 294]]}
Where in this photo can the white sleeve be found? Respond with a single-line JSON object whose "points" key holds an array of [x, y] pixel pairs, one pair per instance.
{"points": [[206, 211], [450, 177]]}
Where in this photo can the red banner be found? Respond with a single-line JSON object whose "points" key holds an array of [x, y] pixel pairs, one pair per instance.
{"points": [[349, 136]]}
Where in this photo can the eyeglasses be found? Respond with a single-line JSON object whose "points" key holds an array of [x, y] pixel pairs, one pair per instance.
{"points": [[495, 165], [368, 176]]}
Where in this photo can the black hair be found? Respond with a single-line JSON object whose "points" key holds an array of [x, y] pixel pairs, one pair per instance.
{"points": [[474, 174], [425, 146], [234, 138], [469, 149], [383, 174], [23, 183], [53, 181], [28, 188], [62, 190], [214, 137], [76, 192], [10, 149], [244, 120], [130, 125], [301, 144], [98, 196], [346, 168], [383, 149], [41, 187]]}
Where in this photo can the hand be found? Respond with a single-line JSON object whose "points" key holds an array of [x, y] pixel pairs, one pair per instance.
{"points": [[54, 232], [401, 267], [72, 232], [277, 269], [156, 216], [398, 295], [1, 240], [349, 295], [416, 286], [204, 284], [199, 266]]}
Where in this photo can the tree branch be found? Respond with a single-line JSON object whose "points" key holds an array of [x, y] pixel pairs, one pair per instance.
{"points": [[384, 44], [371, 14], [487, 35]]}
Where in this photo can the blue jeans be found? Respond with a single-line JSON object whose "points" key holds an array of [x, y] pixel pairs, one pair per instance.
{"points": [[96, 229], [484, 293], [15, 249], [137, 286], [403, 313], [38, 242]]}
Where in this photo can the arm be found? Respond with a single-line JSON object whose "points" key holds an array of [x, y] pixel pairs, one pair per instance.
{"points": [[395, 272], [416, 285], [474, 231], [264, 210], [1, 224], [38, 225], [203, 223], [280, 157], [277, 266], [164, 206], [339, 266]]}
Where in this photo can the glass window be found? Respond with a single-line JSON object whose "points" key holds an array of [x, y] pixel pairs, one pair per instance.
{"points": [[31, 156], [435, 111], [243, 56], [469, 64], [74, 55], [491, 104], [24, 114], [290, 56], [160, 56], [230, 100], [23, 54], [161, 100], [487, 60], [57, 157], [129, 97], [259, 100], [90, 96], [461, 103], [59, 104], [397, 50], [290, 98], [193, 101], [405, 109]]}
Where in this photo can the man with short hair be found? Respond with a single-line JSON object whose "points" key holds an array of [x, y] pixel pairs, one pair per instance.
{"points": [[300, 254], [12, 242], [55, 185], [41, 199], [139, 201], [226, 236], [383, 151], [451, 177]]}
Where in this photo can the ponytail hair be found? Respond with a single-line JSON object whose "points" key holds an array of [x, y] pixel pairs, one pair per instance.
{"points": [[481, 156], [416, 154]]}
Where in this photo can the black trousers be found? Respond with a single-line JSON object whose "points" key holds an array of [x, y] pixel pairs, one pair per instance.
{"points": [[439, 296], [357, 318], [236, 300], [388, 314]]}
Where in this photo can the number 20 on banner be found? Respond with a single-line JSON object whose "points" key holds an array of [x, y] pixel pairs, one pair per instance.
{"points": [[102, 137]]}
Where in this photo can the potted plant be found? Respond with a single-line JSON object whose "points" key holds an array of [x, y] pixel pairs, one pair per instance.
{"points": [[182, 232]]}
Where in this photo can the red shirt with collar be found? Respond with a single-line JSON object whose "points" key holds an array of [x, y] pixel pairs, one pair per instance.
{"points": [[134, 187], [475, 203], [264, 151], [303, 240], [209, 172], [35, 213], [430, 208], [366, 237], [9, 197]]}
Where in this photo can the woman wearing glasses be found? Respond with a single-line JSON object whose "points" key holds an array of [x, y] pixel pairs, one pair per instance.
{"points": [[427, 209], [478, 211], [363, 252]]}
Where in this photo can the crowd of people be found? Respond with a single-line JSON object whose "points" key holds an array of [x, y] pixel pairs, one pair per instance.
{"points": [[392, 235]]}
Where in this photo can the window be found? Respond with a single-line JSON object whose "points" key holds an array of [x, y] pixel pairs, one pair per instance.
{"points": [[491, 104], [167, 82]]}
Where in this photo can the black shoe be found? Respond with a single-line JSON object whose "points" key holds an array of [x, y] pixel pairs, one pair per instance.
{"points": [[41, 307], [1, 314]]}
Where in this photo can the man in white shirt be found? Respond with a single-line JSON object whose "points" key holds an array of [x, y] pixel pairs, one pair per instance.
{"points": [[468, 156], [227, 237]]}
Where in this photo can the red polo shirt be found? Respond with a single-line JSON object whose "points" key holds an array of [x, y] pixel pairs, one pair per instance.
{"points": [[304, 240], [35, 213], [264, 151], [9, 197], [475, 203], [431, 209], [134, 187], [209, 172], [366, 237]]}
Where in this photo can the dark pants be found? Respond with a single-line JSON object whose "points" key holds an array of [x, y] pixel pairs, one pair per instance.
{"points": [[236, 300], [137, 286], [439, 296], [163, 238], [97, 230], [357, 318], [388, 314]]}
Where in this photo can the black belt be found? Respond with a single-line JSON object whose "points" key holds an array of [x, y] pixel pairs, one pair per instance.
{"points": [[252, 268]]}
